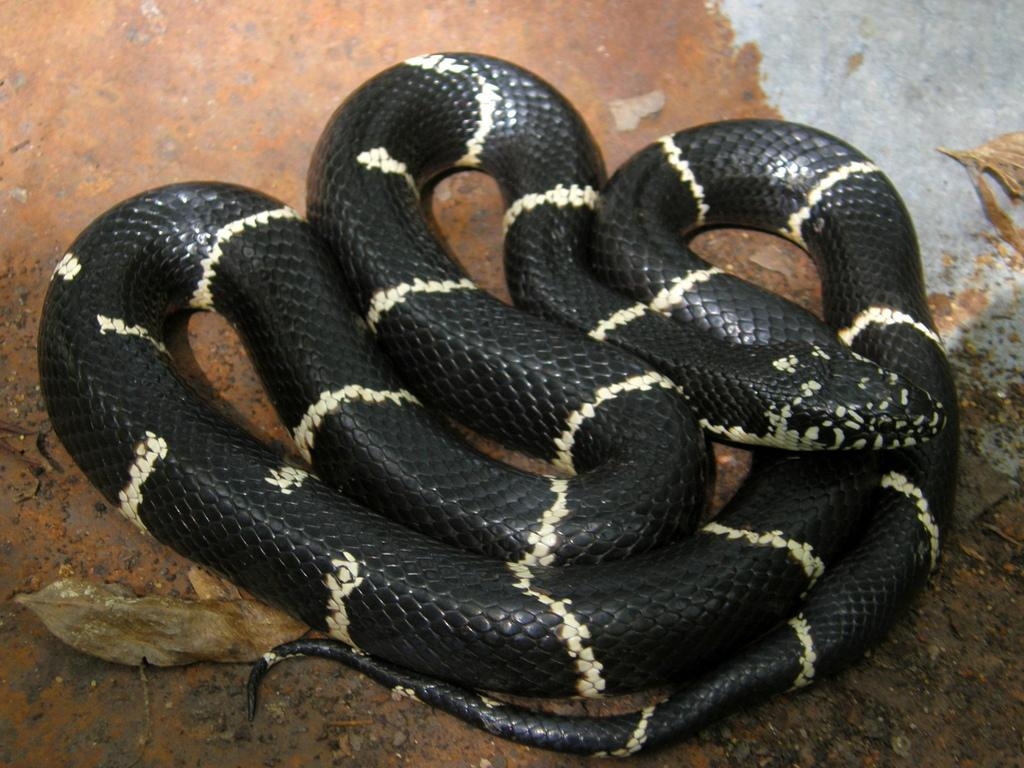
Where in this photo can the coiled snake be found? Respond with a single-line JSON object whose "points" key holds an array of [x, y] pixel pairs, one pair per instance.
{"points": [[469, 576]]}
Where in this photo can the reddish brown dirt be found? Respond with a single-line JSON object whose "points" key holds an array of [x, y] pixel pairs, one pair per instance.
{"points": [[112, 98]]}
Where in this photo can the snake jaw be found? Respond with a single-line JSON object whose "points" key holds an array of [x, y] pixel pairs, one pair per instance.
{"points": [[848, 402], [825, 400]]}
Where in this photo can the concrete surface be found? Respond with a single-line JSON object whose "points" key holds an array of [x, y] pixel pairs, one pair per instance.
{"points": [[99, 100], [900, 80]]}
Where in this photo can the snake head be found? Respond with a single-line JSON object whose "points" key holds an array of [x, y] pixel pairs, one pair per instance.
{"points": [[831, 399]]}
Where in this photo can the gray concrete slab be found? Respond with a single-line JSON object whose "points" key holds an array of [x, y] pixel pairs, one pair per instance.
{"points": [[898, 80]]}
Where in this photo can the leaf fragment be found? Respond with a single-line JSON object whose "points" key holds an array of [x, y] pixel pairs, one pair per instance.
{"points": [[111, 623], [1003, 159]]}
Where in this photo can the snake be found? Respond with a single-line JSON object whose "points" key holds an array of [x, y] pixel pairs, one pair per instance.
{"points": [[446, 574]]}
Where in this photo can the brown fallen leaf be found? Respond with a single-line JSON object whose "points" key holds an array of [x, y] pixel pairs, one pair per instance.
{"points": [[209, 586], [110, 622], [1002, 158]]}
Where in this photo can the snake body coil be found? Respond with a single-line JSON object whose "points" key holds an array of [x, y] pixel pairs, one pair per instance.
{"points": [[357, 319]]}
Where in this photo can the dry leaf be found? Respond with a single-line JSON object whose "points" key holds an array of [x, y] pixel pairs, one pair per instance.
{"points": [[210, 586], [1003, 158], [111, 623]]}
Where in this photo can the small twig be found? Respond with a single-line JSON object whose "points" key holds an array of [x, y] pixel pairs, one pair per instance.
{"points": [[45, 452], [1002, 534], [147, 732], [972, 553], [14, 430], [352, 723]]}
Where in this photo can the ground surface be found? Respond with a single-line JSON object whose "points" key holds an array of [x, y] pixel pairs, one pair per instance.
{"points": [[112, 98]]}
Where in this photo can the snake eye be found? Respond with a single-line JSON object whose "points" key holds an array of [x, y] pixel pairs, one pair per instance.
{"points": [[814, 399], [872, 407]]}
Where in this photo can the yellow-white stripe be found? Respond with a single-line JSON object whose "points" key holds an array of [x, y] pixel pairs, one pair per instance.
{"points": [[340, 584], [902, 484], [488, 97], [664, 302], [885, 316], [671, 297], [379, 159], [572, 632], [797, 219], [437, 62], [544, 540], [637, 738], [121, 328], [674, 155], [800, 552], [565, 441], [808, 654], [287, 479], [332, 400], [202, 297], [617, 320], [560, 196], [67, 268], [387, 299], [147, 453]]}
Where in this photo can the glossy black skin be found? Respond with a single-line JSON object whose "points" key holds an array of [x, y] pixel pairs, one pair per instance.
{"points": [[459, 620]]}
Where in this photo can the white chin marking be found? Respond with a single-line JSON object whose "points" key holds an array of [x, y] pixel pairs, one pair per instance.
{"points": [[786, 364]]}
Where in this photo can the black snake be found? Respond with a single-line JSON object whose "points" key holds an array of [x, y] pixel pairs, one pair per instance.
{"points": [[471, 576]]}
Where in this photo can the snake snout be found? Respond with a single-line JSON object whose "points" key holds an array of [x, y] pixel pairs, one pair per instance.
{"points": [[875, 408], [834, 399], [815, 398]]}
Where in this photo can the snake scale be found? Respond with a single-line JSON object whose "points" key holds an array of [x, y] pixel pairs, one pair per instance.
{"points": [[445, 574]]}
